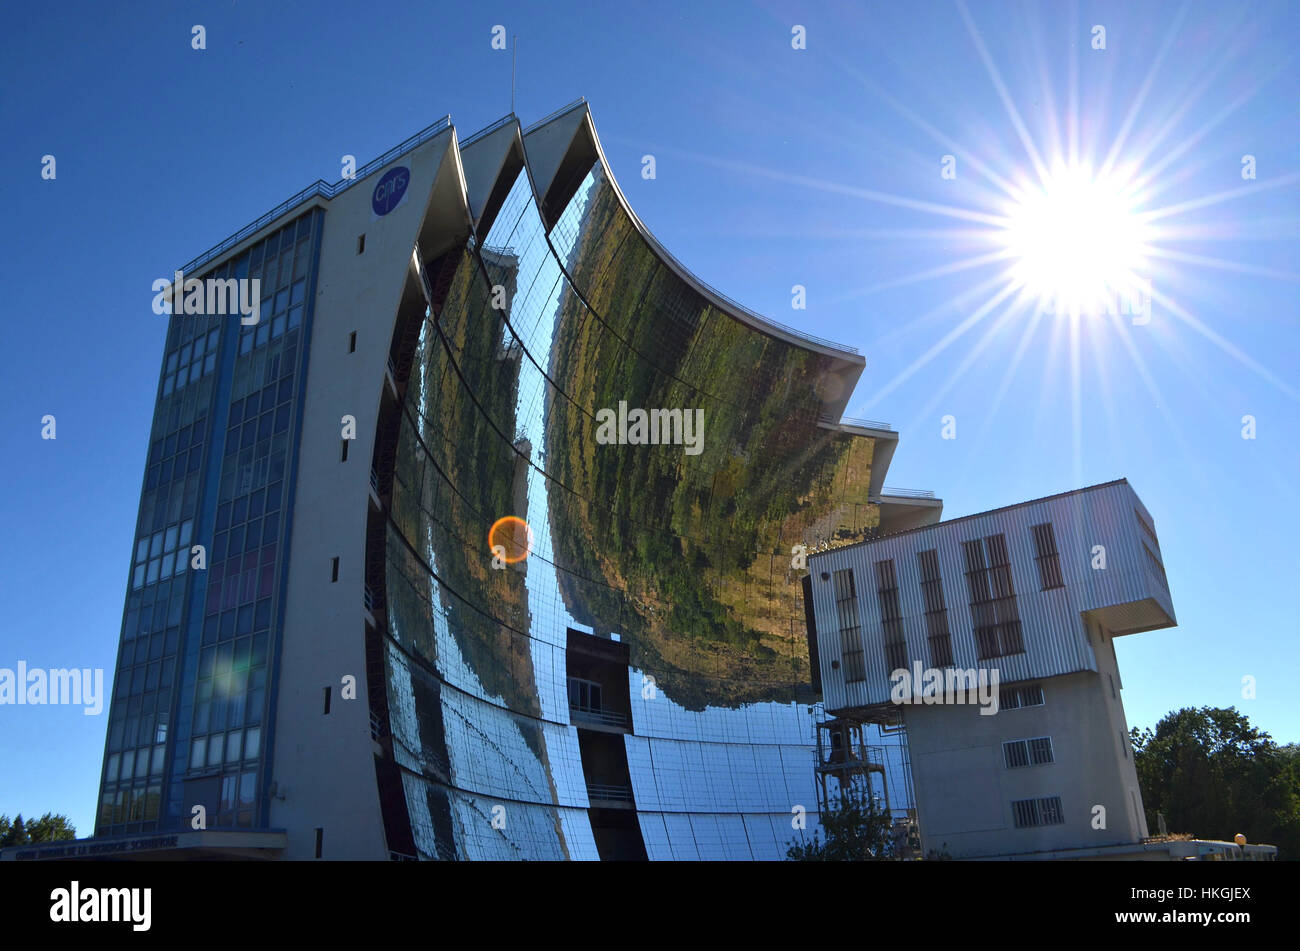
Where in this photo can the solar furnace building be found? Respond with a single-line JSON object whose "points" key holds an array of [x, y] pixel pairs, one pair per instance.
{"points": [[326, 654]]}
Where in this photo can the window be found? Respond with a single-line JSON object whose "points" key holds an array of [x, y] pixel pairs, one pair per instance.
{"points": [[1156, 565], [1045, 554], [344, 456], [1123, 742], [1015, 754], [334, 570], [891, 616], [846, 608], [585, 695], [1147, 529], [1035, 752], [1013, 698], [361, 244], [327, 701], [936, 612], [352, 342], [320, 833], [1038, 812], [992, 597]]}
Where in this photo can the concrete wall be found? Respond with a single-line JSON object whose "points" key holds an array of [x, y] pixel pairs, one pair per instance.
{"points": [[324, 764], [964, 790]]}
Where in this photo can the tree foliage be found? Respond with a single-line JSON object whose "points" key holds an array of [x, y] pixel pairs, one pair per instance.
{"points": [[857, 830], [51, 827], [1213, 775]]}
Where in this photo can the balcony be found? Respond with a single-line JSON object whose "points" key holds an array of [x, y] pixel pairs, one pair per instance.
{"points": [[596, 716], [605, 796]]}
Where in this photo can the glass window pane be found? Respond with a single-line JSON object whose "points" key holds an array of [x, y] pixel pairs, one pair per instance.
{"points": [[198, 751]]}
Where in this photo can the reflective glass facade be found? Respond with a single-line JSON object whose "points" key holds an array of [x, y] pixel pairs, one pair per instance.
{"points": [[683, 560]]}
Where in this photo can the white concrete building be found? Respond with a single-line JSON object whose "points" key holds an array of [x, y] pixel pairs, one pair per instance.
{"points": [[1033, 595]]}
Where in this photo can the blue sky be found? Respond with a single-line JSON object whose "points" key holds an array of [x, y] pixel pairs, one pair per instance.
{"points": [[774, 167]]}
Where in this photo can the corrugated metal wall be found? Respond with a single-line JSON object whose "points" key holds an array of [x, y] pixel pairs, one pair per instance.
{"points": [[1054, 634]]}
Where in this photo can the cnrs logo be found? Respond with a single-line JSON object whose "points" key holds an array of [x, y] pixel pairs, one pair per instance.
{"points": [[389, 190]]}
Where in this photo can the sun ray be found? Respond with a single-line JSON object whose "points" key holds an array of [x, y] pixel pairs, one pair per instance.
{"points": [[1201, 260], [958, 374], [967, 157], [1205, 201], [1136, 106], [939, 347], [1005, 96], [915, 324], [1245, 360], [954, 267]]}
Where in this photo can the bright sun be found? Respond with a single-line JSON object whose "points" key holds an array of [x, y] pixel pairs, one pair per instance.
{"points": [[1077, 244]]}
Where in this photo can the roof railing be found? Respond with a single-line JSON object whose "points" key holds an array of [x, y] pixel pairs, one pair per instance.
{"points": [[319, 188], [908, 493], [506, 119], [861, 423], [555, 115]]}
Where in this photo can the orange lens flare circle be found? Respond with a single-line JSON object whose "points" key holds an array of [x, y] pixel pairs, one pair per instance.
{"points": [[513, 534]]}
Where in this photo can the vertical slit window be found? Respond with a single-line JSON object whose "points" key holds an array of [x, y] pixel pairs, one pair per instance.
{"points": [[891, 616], [846, 609], [936, 611], [1047, 558]]}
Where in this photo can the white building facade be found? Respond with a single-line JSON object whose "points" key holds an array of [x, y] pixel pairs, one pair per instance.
{"points": [[1027, 600]]}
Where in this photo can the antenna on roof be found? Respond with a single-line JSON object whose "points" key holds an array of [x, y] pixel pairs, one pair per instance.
{"points": [[514, 53]]}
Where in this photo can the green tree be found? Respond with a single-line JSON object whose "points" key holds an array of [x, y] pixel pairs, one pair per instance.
{"points": [[1213, 775], [16, 834], [857, 830], [51, 827]]}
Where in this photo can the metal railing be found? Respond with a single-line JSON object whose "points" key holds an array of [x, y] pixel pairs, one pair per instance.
{"points": [[488, 130], [319, 188], [908, 493], [369, 599], [861, 423], [376, 726], [607, 793], [554, 115], [593, 715]]}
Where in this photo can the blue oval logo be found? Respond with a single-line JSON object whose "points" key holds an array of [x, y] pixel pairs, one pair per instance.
{"points": [[389, 190]]}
